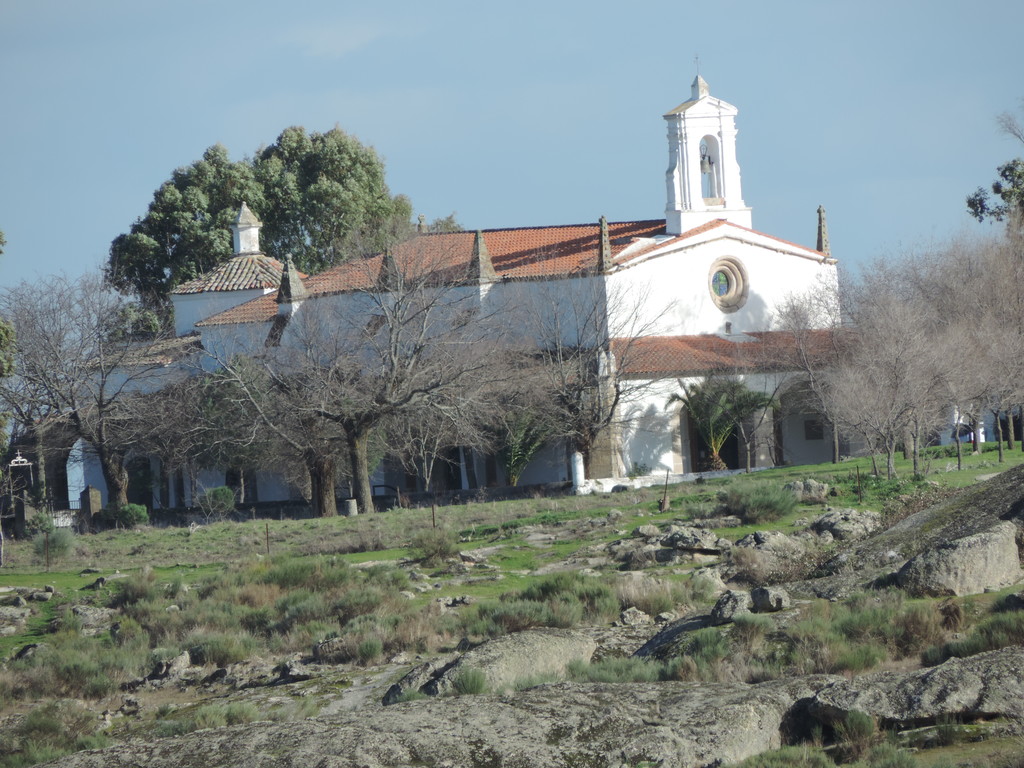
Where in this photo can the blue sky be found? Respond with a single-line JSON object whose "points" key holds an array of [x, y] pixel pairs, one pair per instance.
{"points": [[518, 114]]}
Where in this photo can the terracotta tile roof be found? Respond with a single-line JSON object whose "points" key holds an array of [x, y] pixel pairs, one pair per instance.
{"points": [[517, 254], [161, 352], [661, 356], [522, 253], [239, 273]]}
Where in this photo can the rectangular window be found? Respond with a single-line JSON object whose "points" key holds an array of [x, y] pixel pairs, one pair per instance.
{"points": [[814, 429]]}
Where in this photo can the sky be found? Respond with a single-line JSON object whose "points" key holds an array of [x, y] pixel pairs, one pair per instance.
{"points": [[510, 114]]}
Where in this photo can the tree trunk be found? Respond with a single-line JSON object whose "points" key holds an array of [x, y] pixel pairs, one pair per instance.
{"points": [[890, 462], [959, 449], [917, 453], [357, 452], [116, 478], [999, 435], [975, 439], [321, 484], [835, 442], [1010, 430]]}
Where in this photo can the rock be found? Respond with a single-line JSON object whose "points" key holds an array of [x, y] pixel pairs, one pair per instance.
{"points": [[770, 599], [725, 521], [28, 651], [600, 725], [808, 491], [510, 659], [988, 685], [92, 619], [965, 566], [293, 671], [98, 584], [848, 524], [171, 668], [42, 597], [334, 650], [731, 604], [772, 541], [418, 677], [634, 617], [646, 531], [699, 540]]}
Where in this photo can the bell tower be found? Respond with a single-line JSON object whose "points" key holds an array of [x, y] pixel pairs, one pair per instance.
{"points": [[703, 176]]}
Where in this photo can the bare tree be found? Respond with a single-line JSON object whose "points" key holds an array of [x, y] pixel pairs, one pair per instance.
{"points": [[414, 338], [77, 360], [586, 331]]}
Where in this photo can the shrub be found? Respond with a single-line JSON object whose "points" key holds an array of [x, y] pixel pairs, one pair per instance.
{"points": [[997, 631], [51, 731], [789, 757], [652, 596], [629, 669], [856, 733], [433, 546], [469, 682], [757, 502], [220, 648], [217, 503], [60, 542], [889, 756], [369, 650], [127, 516]]}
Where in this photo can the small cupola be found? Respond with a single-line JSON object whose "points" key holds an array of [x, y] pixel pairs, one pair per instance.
{"points": [[245, 231]]}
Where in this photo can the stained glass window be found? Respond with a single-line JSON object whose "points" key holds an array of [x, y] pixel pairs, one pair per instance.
{"points": [[720, 283]]}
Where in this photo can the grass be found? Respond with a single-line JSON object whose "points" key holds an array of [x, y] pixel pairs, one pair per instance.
{"points": [[236, 602]]}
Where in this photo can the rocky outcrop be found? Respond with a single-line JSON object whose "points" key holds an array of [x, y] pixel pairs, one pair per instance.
{"points": [[598, 725], [965, 566], [987, 685], [504, 662], [847, 524]]}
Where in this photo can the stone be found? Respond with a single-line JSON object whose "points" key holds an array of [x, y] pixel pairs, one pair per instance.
{"points": [[847, 524], [634, 617], [334, 650], [670, 724], [92, 619], [730, 605], [770, 599], [646, 531], [808, 491], [507, 660], [42, 597], [965, 566], [987, 685], [695, 540]]}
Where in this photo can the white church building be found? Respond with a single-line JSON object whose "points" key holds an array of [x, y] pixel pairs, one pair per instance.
{"points": [[688, 295]]}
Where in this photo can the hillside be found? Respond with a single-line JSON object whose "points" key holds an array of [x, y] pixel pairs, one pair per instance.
{"points": [[557, 631]]}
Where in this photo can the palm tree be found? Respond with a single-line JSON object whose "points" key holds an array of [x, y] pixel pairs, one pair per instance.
{"points": [[716, 407]]}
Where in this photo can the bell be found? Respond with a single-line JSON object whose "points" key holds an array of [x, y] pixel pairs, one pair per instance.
{"points": [[705, 164]]}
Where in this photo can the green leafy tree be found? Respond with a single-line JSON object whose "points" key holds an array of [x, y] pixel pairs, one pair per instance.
{"points": [[1008, 189], [315, 193], [324, 191]]}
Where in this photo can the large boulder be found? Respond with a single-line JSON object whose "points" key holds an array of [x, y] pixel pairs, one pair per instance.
{"points": [[689, 539], [598, 725], [987, 685], [848, 524], [511, 659], [965, 566], [808, 491], [770, 600], [730, 605]]}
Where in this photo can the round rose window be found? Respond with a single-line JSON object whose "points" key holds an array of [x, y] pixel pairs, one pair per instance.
{"points": [[727, 282]]}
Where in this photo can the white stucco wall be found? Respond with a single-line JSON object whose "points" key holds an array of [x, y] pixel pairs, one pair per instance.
{"points": [[190, 308]]}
